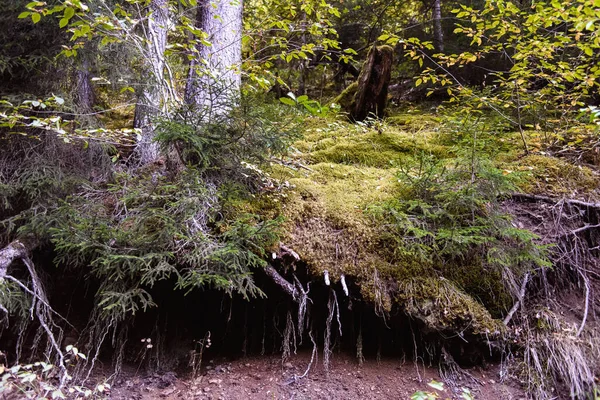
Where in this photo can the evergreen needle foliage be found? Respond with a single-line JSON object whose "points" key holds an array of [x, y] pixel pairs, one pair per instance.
{"points": [[448, 220]]}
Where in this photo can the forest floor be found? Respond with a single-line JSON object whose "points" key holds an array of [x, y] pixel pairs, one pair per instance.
{"points": [[267, 377]]}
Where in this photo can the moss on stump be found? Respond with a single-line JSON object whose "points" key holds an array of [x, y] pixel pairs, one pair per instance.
{"points": [[368, 95]]}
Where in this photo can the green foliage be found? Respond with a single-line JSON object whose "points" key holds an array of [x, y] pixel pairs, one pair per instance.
{"points": [[39, 381], [540, 60], [145, 230], [252, 132], [448, 216], [439, 387], [287, 33], [312, 106]]}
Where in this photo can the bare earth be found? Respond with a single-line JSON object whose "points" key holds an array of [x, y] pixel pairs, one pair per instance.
{"points": [[267, 378]]}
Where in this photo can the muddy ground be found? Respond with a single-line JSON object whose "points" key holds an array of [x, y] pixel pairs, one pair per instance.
{"points": [[268, 378]]}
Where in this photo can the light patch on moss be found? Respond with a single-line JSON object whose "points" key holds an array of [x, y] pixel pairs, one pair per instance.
{"points": [[554, 176]]}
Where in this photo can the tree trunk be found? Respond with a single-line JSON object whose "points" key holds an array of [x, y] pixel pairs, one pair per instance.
{"points": [[85, 96], [369, 93], [153, 94], [438, 34], [214, 81]]}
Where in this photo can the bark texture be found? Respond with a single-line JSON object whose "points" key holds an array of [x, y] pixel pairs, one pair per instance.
{"points": [[438, 34], [369, 94], [214, 79], [85, 96], [153, 94]]}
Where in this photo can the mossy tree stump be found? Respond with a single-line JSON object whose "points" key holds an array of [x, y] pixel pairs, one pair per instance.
{"points": [[368, 96]]}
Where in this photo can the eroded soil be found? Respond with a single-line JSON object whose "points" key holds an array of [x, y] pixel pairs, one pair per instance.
{"points": [[268, 378]]}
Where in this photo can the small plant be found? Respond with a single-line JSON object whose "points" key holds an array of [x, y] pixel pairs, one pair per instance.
{"points": [[312, 106], [465, 393], [196, 354], [40, 380]]}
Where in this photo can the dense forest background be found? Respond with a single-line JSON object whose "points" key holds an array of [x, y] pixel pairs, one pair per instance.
{"points": [[185, 179]]}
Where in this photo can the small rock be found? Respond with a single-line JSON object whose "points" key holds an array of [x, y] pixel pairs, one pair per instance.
{"points": [[288, 365], [206, 389], [215, 381]]}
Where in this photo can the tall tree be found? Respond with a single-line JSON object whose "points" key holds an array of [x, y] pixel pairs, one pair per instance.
{"points": [[438, 34], [154, 93], [214, 80]]}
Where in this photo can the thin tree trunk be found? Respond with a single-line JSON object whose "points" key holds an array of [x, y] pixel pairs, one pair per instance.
{"points": [[152, 95], [85, 96], [214, 80], [438, 34]]}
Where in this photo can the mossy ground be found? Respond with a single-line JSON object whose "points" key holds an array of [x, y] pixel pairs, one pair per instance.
{"points": [[337, 170]]}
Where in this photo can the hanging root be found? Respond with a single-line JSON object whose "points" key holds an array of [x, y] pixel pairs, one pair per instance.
{"points": [[519, 301], [560, 356], [451, 373], [334, 309], [289, 339], [313, 359], [359, 343], [42, 311], [344, 286], [302, 299]]}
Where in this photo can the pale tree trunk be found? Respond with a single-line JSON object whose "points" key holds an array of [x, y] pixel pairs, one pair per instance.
{"points": [[85, 96], [154, 93], [438, 34], [214, 78]]}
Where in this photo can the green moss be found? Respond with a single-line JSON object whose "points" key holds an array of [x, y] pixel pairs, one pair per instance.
{"points": [[441, 306], [346, 98], [419, 121], [350, 168], [554, 176]]}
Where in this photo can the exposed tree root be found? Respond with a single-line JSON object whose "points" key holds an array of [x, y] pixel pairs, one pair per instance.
{"points": [[519, 302], [559, 354], [333, 310], [553, 201], [15, 250]]}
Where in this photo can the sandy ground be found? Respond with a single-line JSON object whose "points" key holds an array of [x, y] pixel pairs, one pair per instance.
{"points": [[269, 378]]}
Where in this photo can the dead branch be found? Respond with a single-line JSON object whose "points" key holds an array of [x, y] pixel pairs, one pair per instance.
{"points": [[587, 302], [287, 250], [15, 250], [582, 229], [550, 200], [519, 301], [280, 281]]}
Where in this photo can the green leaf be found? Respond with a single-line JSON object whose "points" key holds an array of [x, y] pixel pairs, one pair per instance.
{"points": [[302, 99], [590, 25], [63, 22], [288, 101], [35, 17], [69, 12], [436, 385], [24, 14]]}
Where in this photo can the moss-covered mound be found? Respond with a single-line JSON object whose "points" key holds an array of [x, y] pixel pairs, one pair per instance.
{"points": [[423, 236]]}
